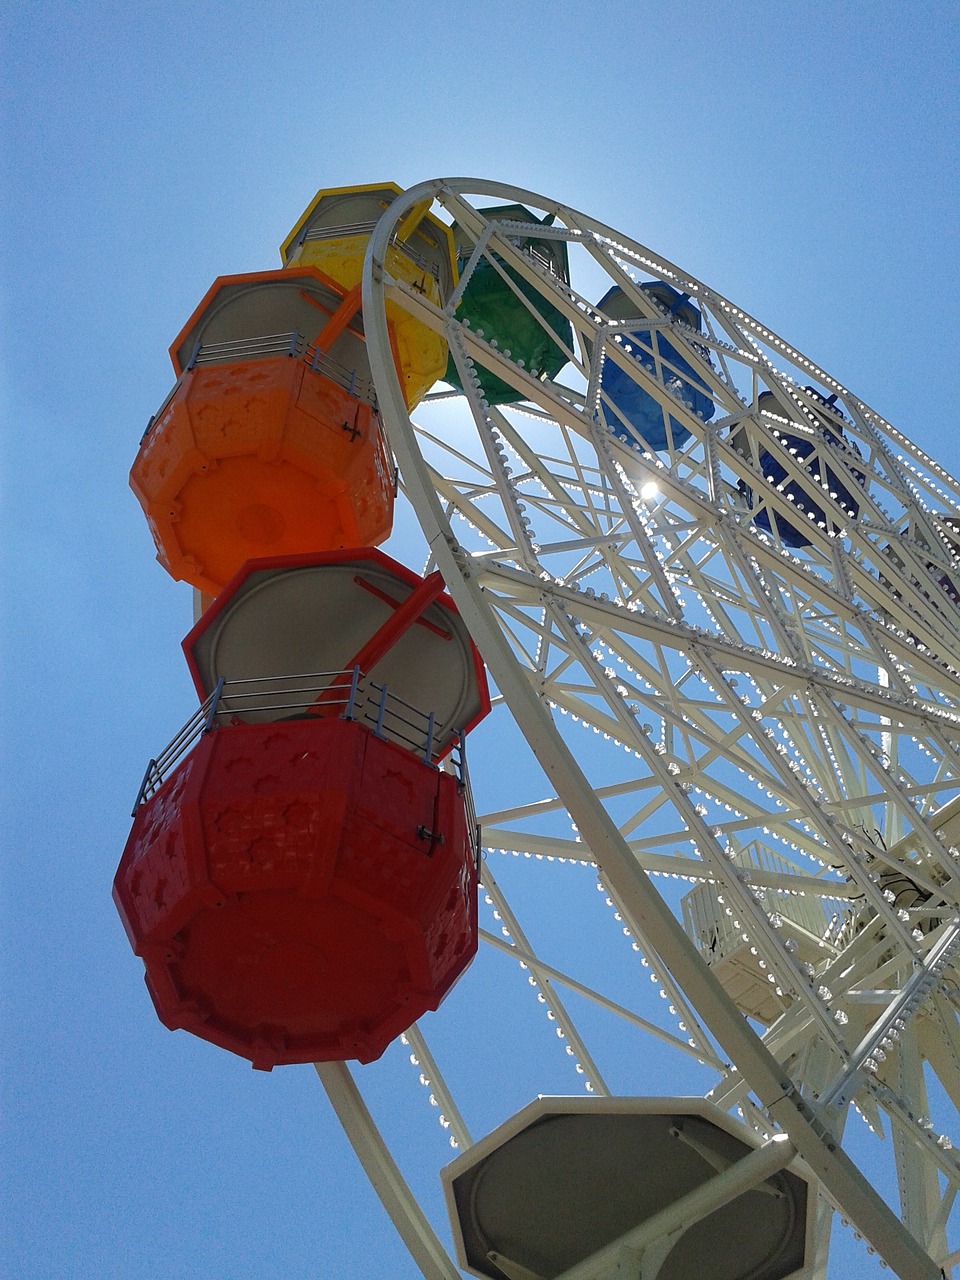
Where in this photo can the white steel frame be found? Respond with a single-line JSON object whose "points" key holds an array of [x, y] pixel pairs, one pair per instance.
{"points": [[767, 721]]}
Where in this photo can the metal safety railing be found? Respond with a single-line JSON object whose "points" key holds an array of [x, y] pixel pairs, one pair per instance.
{"points": [[348, 229], [391, 717], [533, 249], [155, 417], [292, 343], [458, 758], [268, 699], [289, 697], [542, 258], [164, 764], [355, 384], [341, 232], [264, 347]]}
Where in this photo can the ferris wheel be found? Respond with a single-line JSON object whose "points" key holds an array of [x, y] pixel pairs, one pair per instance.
{"points": [[717, 595]]}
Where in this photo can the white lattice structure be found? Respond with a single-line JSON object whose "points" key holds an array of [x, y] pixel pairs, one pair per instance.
{"points": [[735, 653]]}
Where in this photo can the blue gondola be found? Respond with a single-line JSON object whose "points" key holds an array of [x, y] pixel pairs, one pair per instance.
{"points": [[829, 438], [636, 406]]}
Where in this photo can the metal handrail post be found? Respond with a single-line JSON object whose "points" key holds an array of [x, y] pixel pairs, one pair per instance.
{"points": [[143, 787], [428, 754], [214, 703], [351, 697]]}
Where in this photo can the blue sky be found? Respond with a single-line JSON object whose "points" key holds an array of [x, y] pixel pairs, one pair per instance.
{"points": [[801, 159]]}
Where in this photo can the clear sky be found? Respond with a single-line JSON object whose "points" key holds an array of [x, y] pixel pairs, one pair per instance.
{"points": [[800, 158]]}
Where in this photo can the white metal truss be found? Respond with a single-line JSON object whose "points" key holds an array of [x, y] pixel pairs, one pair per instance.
{"points": [[735, 656]]}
